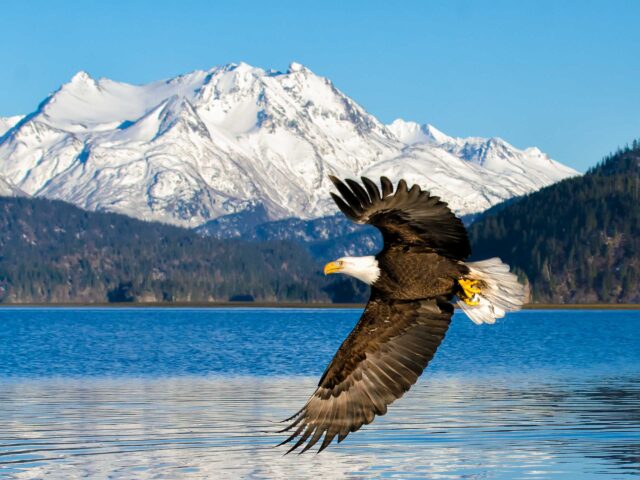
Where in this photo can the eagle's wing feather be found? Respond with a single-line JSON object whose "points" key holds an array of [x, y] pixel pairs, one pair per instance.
{"points": [[376, 364], [406, 216]]}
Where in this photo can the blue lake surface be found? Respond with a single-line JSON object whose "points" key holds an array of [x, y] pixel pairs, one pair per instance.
{"points": [[193, 393]]}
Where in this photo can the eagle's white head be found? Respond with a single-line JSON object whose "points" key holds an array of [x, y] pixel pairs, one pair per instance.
{"points": [[363, 268]]}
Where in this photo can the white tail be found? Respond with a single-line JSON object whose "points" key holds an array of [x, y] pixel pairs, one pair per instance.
{"points": [[500, 291]]}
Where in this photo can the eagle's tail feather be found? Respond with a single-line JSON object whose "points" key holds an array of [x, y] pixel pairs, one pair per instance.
{"points": [[489, 291]]}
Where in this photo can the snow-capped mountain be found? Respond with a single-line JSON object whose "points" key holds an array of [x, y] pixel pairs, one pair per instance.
{"points": [[212, 143]]}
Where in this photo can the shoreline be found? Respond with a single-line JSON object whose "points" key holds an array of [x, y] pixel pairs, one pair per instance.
{"points": [[294, 305]]}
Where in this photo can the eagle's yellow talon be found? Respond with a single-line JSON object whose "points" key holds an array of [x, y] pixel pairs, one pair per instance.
{"points": [[470, 288]]}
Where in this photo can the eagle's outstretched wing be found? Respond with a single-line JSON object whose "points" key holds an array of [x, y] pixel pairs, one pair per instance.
{"points": [[376, 364], [406, 216]]}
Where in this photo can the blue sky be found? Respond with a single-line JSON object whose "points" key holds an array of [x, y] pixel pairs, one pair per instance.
{"points": [[564, 76]]}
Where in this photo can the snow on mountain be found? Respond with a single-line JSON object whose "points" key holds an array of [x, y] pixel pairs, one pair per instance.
{"points": [[492, 153], [6, 123], [473, 173], [212, 143], [8, 189], [411, 133]]}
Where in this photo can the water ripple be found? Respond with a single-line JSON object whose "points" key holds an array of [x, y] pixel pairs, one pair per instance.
{"points": [[194, 427]]}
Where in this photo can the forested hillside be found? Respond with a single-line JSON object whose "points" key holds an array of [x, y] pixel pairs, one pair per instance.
{"points": [[577, 241], [51, 251]]}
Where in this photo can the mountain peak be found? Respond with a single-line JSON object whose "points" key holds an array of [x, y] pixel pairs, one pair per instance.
{"points": [[406, 132], [81, 84], [435, 135], [297, 67], [410, 133], [82, 77], [243, 67]]}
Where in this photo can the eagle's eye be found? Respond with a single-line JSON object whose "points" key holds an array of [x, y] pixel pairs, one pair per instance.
{"points": [[340, 262]]}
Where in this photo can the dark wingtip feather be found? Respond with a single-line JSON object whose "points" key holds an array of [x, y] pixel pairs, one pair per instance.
{"points": [[293, 435], [344, 208], [335, 180], [387, 186], [349, 196], [303, 438], [291, 425], [372, 188], [292, 416], [316, 436], [328, 438], [360, 192]]}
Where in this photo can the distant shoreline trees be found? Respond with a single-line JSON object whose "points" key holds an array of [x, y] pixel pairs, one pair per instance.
{"points": [[51, 251]]}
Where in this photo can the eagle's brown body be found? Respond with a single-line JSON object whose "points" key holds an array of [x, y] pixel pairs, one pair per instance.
{"points": [[411, 273]]}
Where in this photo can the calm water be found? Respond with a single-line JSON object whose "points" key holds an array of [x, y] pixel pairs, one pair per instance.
{"points": [[153, 393]]}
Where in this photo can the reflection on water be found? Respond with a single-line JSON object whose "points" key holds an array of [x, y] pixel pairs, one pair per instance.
{"points": [[449, 426]]}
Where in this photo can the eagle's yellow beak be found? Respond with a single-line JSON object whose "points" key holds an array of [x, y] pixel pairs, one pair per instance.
{"points": [[332, 267]]}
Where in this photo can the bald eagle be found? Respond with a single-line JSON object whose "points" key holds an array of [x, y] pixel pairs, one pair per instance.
{"points": [[413, 279]]}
